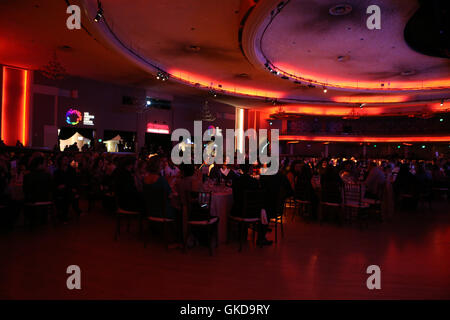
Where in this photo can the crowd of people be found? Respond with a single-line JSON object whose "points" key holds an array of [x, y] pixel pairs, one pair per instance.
{"points": [[65, 177]]}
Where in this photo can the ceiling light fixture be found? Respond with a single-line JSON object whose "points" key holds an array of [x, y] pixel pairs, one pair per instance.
{"points": [[213, 93], [340, 10], [162, 76], [99, 14], [325, 89]]}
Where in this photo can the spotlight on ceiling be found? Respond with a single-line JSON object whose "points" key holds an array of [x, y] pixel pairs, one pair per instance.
{"points": [[442, 102], [325, 89], [99, 14], [148, 101], [362, 105], [213, 93], [162, 76]]}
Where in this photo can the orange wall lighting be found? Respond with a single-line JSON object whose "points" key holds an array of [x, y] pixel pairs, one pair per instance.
{"points": [[15, 106]]}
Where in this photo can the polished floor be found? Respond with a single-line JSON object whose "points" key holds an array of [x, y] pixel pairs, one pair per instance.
{"points": [[312, 262]]}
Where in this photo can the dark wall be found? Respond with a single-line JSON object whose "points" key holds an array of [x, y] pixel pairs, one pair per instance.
{"points": [[370, 125], [104, 101]]}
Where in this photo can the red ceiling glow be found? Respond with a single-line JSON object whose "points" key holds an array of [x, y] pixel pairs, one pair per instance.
{"points": [[370, 99], [321, 110], [228, 88]]}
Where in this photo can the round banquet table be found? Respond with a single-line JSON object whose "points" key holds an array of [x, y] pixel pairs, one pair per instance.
{"points": [[221, 203]]}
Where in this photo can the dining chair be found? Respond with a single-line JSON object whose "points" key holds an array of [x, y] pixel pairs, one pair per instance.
{"points": [[32, 209], [156, 212], [199, 216], [128, 215], [354, 204], [279, 214], [330, 201], [250, 214]]}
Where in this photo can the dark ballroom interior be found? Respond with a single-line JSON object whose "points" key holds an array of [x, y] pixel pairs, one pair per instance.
{"points": [[225, 150]]}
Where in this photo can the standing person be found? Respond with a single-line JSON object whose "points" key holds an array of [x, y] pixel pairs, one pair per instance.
{"points": [[66, 188]]}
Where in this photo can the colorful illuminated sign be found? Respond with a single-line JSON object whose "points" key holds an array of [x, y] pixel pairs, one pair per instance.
{"points": [[88, 119], [73, 117]]}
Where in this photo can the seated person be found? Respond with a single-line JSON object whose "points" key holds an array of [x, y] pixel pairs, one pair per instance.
{"points": [[331, 186], [374, 182], [37, 188], [242, 184], [277, 189], [66, 188], [155, 184], [125, 186], [155, 187], [37, 183]]}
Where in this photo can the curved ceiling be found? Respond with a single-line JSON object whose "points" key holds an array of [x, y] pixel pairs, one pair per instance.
{"points": [[198, 43], [305, 39], [205, 43]]}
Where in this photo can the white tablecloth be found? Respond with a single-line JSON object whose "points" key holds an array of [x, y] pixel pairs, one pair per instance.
{"points": [[221, 203]]}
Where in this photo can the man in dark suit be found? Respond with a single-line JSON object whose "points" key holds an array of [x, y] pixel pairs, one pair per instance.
{"points": [[277, 189], [241, 184]]}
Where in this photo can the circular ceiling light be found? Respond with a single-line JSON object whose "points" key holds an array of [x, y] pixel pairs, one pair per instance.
{"points": [[340, 10], [242, 76], [64, 48], [193, 48], [342, 58]]}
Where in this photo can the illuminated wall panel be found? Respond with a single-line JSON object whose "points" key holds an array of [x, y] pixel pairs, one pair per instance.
{"points": [[15, 109]]}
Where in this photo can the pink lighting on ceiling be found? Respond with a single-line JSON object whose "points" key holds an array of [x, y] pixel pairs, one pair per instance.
{"points": [[324, 80], [370, 99]]}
